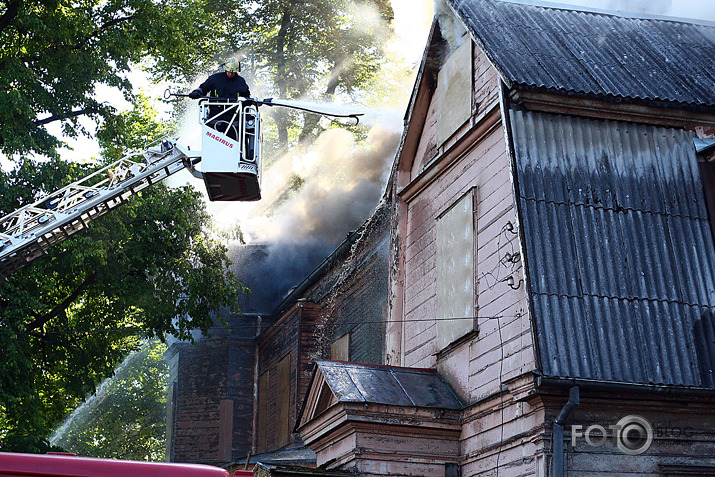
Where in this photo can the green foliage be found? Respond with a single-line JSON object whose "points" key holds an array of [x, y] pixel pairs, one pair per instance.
{"points": [[132, 130], [312, 49], [148, 268], [53, 54], [126, 419]]}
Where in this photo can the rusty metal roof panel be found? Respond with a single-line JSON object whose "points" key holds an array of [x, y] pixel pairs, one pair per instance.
{"points": [[619, 251], [595, 53], [352, 382]]}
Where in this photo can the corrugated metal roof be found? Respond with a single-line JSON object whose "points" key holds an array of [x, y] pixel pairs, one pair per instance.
{"points": [[351, 382], [595, 53], [619, 250]]}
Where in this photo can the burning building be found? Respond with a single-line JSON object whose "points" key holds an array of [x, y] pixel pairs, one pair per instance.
{"points": [[238, 393], [553, 258], [548, 306]]}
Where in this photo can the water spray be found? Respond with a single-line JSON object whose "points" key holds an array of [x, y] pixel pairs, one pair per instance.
{"points": [[299, 105]]}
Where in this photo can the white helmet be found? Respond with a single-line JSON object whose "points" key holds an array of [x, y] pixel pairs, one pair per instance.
{"points": [[231, 65]]}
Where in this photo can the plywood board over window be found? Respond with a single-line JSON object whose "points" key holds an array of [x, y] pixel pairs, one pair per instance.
{"points": [[283, 402], [225, 431], [454, 90], [340, 348], [262, 413], [455, 302]]}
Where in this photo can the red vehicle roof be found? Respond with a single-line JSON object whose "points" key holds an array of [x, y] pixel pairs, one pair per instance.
{"points": [[12, 464]]}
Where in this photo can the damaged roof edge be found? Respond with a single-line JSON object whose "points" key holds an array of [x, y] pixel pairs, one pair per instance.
{"points": [[407, 118], [315, 275]]}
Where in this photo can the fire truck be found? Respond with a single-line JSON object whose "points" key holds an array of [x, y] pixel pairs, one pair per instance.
{"points": [[230, 161], [68, 465]]}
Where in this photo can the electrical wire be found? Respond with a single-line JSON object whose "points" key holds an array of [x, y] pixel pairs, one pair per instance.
{"points": [[139, 331]]}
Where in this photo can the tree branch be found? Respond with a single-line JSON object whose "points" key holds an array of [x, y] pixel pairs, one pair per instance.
{"points": [[61, 117], [311, 120], [101, 29], [61, 307]]}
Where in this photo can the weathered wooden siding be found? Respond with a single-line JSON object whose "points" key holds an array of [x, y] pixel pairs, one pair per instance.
{"points": [[289, 342], [281, 343], [504, 431], [485, 168], [461, 164], [486, 83], [499, 427], [683, 433]]}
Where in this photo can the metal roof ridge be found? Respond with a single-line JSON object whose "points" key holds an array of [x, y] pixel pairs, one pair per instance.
{"points": [[613, 13]]}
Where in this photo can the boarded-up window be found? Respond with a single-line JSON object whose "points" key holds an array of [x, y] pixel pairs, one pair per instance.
{"points": [[455, 271], [283, 402], [454, 88], [262, 413], [225, 430], [340, 348]]}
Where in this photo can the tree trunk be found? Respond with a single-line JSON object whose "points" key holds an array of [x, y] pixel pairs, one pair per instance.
{"points": [[311, 120], [281, 115]]}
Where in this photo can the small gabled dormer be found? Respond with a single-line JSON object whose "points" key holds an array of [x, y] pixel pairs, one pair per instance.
{"points": [[358, 416]]}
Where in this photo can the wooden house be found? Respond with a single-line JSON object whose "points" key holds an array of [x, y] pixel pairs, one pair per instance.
{"points": [[553, 262]]}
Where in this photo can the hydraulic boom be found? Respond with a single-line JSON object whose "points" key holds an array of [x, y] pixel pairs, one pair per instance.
{"points": [[27, 233], [231, 170]]}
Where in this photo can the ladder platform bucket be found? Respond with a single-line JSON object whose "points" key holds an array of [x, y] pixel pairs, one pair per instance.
{"points": [[230, 146]]}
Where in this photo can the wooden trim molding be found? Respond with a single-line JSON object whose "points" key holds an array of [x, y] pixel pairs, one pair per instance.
{"points": [[685, 470], [666, 115], [443, 163]]}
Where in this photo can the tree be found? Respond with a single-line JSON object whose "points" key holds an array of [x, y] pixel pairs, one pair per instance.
{"points": [[55, 52], [149, 268], [315, 46], [126, 418]]}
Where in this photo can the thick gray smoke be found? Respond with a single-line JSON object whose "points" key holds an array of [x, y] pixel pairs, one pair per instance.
{"points": [[314, 196], [341, 184]]}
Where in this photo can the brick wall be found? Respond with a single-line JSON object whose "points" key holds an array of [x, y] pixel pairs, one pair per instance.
{"points": [[205, 374], [348, 296], [290, 340]]}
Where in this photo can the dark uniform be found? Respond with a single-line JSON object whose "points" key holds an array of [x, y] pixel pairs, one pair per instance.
{"points": [[219, 85]]}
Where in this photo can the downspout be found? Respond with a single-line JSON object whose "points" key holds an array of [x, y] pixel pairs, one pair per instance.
{"points": [[558, 432]]}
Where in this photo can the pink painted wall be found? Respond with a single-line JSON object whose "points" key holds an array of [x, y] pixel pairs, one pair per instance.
{"points": [[474, 368], [501, 352]]}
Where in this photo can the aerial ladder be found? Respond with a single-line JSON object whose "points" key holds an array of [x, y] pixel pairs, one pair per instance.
{"points": [[230, 168]]}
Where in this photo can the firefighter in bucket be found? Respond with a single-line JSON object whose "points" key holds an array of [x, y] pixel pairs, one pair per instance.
{"points": [[227, 85], [230, 135]]}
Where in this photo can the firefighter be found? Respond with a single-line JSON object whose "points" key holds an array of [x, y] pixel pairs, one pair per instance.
{"points": [[227, 85]]}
